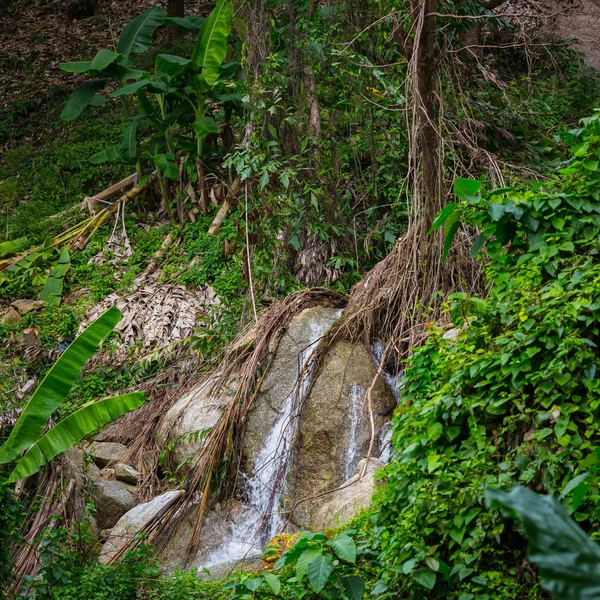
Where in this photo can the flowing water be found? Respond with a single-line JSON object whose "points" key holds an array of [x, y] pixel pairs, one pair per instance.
{"points": [[357, 398], [393, 379], [260, 519]]}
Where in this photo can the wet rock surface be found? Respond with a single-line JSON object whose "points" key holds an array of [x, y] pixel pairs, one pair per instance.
{"points": [[335, 426], [112, 500]]}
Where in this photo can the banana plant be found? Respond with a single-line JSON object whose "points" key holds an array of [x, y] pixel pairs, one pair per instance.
{"points": [[176, 103], [26, 436], [33, 268]]}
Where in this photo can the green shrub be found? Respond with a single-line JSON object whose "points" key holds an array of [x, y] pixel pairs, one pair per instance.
{"points": [[71, 571], [513, 400]]}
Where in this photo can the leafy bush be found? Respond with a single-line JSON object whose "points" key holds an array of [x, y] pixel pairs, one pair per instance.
{"points": [[513, 400], [71, 571], [316, 565]]}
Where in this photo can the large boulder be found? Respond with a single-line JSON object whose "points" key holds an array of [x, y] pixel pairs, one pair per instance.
{"points": [[112, 501], [107, 453], [334, 430], [300, 338], [188, 421], [126, 474], [355, 494], [76, 471], [134, 520]]}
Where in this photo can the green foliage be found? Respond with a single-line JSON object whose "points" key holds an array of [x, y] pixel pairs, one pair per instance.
{"points": [[513, 400], [177, 102], [51, 393], [568, 561], [186, 585], [11, 514], [73, 429], [70, 570], [316, 565]]}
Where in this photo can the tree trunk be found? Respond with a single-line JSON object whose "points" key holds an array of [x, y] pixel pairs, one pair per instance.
{"points": [[175, 8], [427, 75]]}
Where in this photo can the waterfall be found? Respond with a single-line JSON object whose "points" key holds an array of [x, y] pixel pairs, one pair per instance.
{"points": [[392, 378], [260, 518], [357, 396]]}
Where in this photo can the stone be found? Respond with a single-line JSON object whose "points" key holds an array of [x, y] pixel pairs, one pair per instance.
{"points": [[134, 520], [26, 389], [31, 338], [12, 316], [283, 373], [189, 420], [24, 306], [107, 453], [75, 468], [126, 474], [112, 501], [340, 506], [334, 429]]}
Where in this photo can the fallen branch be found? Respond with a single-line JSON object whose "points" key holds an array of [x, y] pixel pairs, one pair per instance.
{"points": [[225, 207]]}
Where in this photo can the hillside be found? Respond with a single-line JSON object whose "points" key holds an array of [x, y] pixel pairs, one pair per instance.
{"points": [[292, 293]]}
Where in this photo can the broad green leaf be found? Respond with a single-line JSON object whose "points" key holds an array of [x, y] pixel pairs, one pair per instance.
{"points": [[573, 484], [73, 429], [205, 125], [354, 587], [99, 100], [120, 72], [82, 66], [110, 153], [451, 226], [466, 189], [81, 98], [157, 87], [166, 163], [426, 577], [170, 64], [273, 582], [568, 561], [55, 386], [130, 88], [53, 288], [12, 246], [253, 584], [443, 215], [319, 570], [192, 23], [103, 58], [345, 548], [211, 47], [130, 140], [304, 560], [136, 37]]}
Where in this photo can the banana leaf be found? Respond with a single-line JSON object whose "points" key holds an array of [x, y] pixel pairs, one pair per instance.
{"points": [[81, 98], [52, 290], [137, 34], [55, 386], [211, 47], [73, 429]]}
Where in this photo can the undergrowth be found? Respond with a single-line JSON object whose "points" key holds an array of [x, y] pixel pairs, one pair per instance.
{"points": [[513, 400]]}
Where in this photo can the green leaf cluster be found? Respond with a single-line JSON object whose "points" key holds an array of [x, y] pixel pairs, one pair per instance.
{"points": [[513, 399], [316, 564]]}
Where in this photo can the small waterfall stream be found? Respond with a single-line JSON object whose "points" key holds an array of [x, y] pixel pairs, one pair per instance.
{"points": [[357, 398], [394, 382], [260, 519]]}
